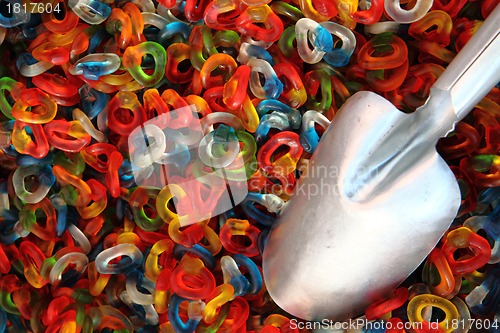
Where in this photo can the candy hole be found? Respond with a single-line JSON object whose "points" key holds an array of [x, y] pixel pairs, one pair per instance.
{"points": [[261, 25], [31, 183], [125, 261], [150, 209], [184, 66], [219, 70], [231, 51], [219, 149], [229, 15], [7, 94], [205, 192], [38, 109], [116, 260], [148, 61], [103, 158], [242, 240], [41, 218], [204, 241], [63, 135], [150, 141], [435, 278], [59, 245], [69, 278], [31, 261], [183, 309], [137, 308], [319, 95], [462, 254], [407, 4], [280, 151], [483, 270], [143, 290], [152, 113], [483, 234], [29, 132], [172, 203], [124, 116], [310, 38], [337, 42], [319, 129], [438, 315], [431, 28], [205, 53]]}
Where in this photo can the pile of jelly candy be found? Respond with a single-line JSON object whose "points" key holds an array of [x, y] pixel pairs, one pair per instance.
{"points": [[100, 100]]}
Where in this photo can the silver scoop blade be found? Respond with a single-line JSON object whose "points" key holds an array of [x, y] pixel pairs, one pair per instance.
{"points": [[376, 197]]}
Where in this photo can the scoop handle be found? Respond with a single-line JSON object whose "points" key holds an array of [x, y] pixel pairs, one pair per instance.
{"points": [[476, 68]]}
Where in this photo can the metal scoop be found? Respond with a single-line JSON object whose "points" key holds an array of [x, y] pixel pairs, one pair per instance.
{"points": [[376, 197]]}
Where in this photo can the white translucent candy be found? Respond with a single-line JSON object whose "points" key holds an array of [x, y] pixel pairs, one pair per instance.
{"points": [[35, 69], [400, 15], [151, 314], [19, 186], [463, 315], [381, 27], [312, 117], [79, 237], [78, 259], [476, 223], [167, 13], [305, 31], [145, 5], [105, 257], [229, 268], [144, 154], [345, 35], [243, 57], [274, 89], [155, 20], [136, 296], [195, 309], [84, 10], [93, 66], [228, 119], [206, 156], [250, 40], [87, 125], [476, 296]]}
